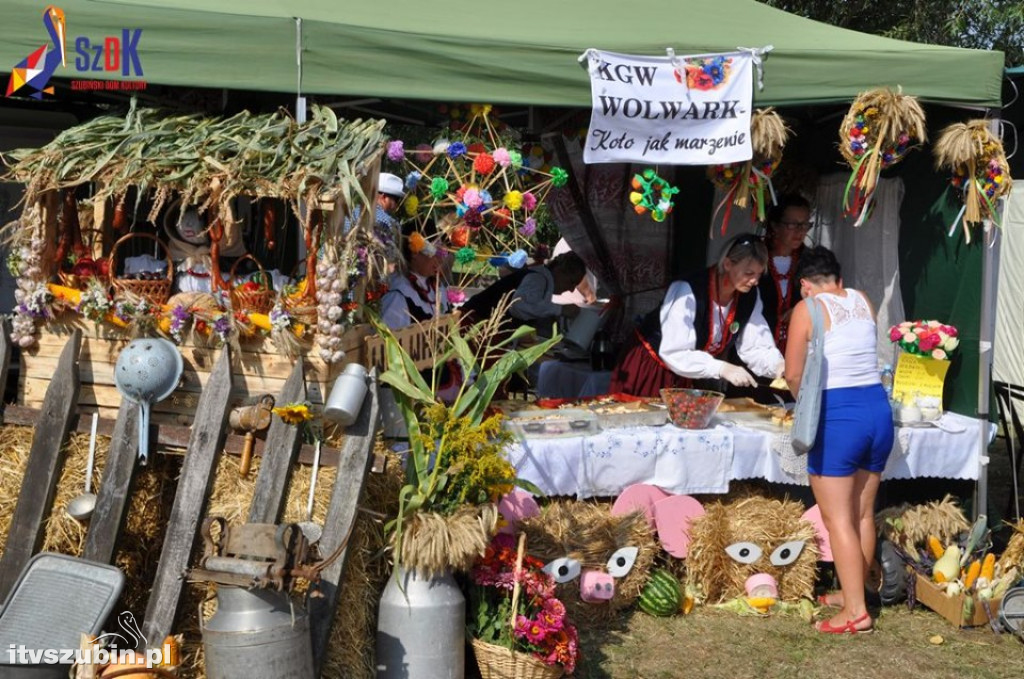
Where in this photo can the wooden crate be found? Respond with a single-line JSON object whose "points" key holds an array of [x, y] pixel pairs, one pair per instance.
{"points": [[258, 370], [952, 607], [419, 341]]}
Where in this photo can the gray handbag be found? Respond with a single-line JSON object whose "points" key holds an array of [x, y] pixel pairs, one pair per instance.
{"points": [[808, 401]]}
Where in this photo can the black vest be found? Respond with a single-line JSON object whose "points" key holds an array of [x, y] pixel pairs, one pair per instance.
{"points": [[480, 306], [650, 327]]}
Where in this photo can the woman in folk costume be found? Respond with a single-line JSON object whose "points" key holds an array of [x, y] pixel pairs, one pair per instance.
{"points": [[788, 222], [686, 340], [417, 293]]}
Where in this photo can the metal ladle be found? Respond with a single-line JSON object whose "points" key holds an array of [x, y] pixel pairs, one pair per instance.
{"points": [[311, 529], [81, 507]]}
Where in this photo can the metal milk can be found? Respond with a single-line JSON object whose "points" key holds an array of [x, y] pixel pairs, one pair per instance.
{"points": [[257, 634], [421, 631]]}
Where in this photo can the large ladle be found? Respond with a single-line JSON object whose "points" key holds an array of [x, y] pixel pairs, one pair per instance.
{"points": [[147, 371], [310, 528], [81, 507]]}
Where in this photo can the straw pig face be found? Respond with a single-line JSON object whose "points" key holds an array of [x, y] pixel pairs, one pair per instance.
{"points": [[594, 556], [732, 543]]}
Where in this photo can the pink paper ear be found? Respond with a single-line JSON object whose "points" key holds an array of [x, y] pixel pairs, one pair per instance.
{"points": [[820, 532], [515, 507], [672, 516], [639, 497]]}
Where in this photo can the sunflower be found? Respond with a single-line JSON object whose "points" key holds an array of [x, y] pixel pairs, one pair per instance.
{"points": [[294, 413]]}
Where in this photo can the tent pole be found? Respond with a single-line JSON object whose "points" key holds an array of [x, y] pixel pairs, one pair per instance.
{"points": [[300, 101], [986, 335]]}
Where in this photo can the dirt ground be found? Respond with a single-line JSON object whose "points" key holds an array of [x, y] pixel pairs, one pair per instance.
{"points": [[716, 644]]}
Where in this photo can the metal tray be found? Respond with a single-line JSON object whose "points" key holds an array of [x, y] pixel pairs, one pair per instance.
{"points": [[552, 423], [639, 418]]}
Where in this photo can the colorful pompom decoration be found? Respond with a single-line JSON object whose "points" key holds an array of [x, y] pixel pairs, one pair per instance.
{"points": [[438, 187], [456, 150], [484, 163], [472, 199], [412, 179], [501, 217], [465, 255], [517, 260], [529, 201], [529, 227], [502, 157], [514, 200], [396, 151], [652, 194], [417, 243], [559, 177], [459, 236], [456, 296], [412, 205], [516, 159]]}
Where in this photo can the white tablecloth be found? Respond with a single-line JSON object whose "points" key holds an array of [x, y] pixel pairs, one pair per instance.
{"points": [[704, 461], [560, 379]]}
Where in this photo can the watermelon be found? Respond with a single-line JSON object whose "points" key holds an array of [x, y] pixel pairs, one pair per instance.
{"points": [[662, 595]]}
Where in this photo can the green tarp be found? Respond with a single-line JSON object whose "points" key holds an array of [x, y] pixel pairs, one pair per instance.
{"points": [[522, 52]]}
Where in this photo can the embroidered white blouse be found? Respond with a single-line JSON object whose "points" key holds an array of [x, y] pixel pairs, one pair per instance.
{"points": [[755, 344]]}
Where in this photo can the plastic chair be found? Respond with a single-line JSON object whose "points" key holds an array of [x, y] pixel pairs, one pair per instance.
{"points": [[55, 600], [1010, 402]]}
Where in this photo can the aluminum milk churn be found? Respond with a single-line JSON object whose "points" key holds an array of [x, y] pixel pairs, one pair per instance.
{"points": [[421, 631], [257, 634], [347, 394]]}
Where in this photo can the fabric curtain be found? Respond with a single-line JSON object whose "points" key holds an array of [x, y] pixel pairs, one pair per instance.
{"points": [[636, 264]]}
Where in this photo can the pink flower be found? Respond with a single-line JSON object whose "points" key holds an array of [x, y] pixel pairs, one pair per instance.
{"points": [[472, 199], [456, 296], [939, 355], [502, 157], [529, 201], [895, 334]]}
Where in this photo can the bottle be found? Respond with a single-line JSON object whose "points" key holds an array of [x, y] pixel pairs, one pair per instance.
{"points": [[886, 377]]}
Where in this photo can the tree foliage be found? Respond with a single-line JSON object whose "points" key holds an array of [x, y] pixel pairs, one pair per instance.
{"points": [[979, 24]]}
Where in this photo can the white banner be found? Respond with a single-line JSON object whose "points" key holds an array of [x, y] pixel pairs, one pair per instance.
{"points": [[669, 110]]}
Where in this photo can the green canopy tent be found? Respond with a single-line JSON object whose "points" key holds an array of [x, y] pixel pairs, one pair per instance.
{"points": [[526, 53], [470, 51]]}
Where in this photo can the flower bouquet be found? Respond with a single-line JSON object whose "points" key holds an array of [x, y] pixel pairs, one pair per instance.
{"points": [[455, 470], [519, 628], [930, 339], [980, 171], [879, 130]]}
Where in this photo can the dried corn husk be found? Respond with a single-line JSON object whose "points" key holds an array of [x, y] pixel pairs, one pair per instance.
{"points": [[977, 160]]}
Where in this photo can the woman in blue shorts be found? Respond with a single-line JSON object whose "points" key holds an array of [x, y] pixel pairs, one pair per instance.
{"points": [[855, 431]]}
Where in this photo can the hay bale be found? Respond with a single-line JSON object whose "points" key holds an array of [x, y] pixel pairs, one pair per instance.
{"points": [[764, 522], [908, 526]]}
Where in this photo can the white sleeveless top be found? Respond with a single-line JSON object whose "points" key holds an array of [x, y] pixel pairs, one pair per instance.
{"points": [[850, 344]]}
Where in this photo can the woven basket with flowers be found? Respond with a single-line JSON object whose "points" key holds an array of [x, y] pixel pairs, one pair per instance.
{"points": [[977, 160], [879, 130], [752, 180]]}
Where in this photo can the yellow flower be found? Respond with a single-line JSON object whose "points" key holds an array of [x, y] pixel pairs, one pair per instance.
{"points": [[412, 204], [294, 413], [514, 200]]}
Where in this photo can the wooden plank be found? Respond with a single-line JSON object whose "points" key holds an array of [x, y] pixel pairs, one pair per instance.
{"points": [[276, 469], [116, 488], [5, 355], [166, 435], [197, 472], [354, 463], [45, 463]]}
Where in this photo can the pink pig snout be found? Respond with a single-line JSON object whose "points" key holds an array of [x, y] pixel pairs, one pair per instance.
{"points": [[596, 587]]}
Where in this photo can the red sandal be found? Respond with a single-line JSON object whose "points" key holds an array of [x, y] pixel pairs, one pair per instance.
{"points": [[825, 627], [823, 601]]}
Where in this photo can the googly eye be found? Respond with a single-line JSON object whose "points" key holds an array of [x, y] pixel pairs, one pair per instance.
{"points": [[744, 552], [563, 569], [621, 562], [787, 553]]}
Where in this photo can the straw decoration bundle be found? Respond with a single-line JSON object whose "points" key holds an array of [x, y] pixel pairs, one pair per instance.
{"points": [[977, 160], [752, 180], [878, 131]]}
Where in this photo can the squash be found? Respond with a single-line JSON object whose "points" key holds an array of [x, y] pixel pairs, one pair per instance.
{"points": [[947, 568]]}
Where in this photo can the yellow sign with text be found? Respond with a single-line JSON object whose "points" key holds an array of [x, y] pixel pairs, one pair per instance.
{"points": [[918, 376]]}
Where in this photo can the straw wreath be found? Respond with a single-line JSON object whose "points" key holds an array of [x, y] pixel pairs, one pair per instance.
{"points": [[752, 180], [878, 131], [976, 158]]}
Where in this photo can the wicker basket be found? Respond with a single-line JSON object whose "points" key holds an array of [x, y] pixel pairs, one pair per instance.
{"points": [[258, 301], [498, 662], [156, 291]]}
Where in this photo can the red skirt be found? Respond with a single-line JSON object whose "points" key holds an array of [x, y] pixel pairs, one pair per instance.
{"points": [[639, 373]]}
